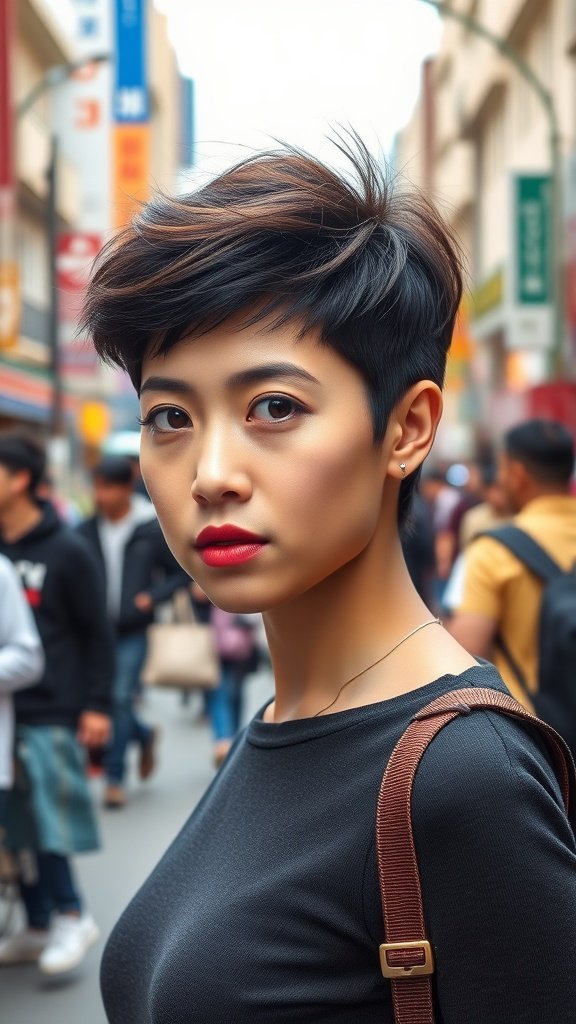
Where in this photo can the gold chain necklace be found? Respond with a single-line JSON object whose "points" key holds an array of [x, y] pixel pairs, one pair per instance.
{"points": [[430, 622]]}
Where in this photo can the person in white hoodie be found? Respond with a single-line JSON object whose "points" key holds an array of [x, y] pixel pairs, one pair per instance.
{"points": [[21, 662]]}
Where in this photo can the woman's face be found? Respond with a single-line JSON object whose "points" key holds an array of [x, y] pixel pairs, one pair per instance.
{"points": [[266, 434]]}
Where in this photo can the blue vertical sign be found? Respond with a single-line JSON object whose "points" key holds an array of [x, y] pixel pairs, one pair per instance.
{"points": [[131, 100], [131, 132]]}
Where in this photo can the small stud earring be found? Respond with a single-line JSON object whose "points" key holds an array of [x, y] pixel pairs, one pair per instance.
{"points": [[403, 468]]}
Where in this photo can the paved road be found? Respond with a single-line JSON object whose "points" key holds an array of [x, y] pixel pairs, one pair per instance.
{"points": [[134, 840]]}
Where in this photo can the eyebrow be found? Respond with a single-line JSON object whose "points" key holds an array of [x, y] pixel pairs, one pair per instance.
{"points": [[254, 375]]}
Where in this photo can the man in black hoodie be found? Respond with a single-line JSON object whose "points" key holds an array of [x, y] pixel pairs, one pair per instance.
{"points": [[50, 808]]}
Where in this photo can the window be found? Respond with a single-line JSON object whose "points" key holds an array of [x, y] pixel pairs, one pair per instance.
{"points": [[32, 255]]}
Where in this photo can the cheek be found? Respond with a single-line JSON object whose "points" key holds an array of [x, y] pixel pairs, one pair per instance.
{"points": [[167, 487], [335, 497]]}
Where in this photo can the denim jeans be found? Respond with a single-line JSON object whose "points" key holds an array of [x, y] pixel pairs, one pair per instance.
{"points": [[52, 890], [130, 653], [223, 704]]}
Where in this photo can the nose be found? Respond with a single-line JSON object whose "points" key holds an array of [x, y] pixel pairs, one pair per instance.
{"points": [[220, 477]]}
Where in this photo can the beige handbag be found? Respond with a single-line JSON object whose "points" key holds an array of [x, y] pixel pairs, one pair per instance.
{"points": [[181, 653]]}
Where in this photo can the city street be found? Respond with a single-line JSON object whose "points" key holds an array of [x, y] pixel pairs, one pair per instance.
{"points": [[134, 840]]}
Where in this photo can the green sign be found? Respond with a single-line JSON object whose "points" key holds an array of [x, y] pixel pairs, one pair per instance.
{"points": [[532, 212]]}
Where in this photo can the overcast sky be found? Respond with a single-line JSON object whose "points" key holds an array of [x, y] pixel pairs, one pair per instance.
{"points": [[291, 69]]}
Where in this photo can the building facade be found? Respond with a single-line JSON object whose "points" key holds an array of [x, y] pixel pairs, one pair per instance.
{"points": [[105, 141], [37, 44], [499, 160]]}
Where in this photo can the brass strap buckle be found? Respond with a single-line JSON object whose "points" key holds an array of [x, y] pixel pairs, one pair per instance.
{"points": [[406, 959]]}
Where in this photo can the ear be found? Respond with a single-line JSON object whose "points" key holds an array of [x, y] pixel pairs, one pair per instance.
{"points": [[21, 481], [412, 428], [518, 476]]}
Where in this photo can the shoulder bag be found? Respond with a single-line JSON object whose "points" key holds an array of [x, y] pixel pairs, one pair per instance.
{"points": [[407, 958], [181, 653]]}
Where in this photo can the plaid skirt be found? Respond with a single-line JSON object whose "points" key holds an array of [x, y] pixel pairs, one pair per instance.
{"points": [[50, 807]]}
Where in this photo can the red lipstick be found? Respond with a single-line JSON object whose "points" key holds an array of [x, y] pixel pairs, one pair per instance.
{"points": [[221, 546]]}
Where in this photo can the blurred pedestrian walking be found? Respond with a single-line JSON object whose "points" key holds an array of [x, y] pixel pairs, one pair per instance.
{"points": [[238, 653], [442, 500], [21, 664], [140, 573], [49, 812], [499, 613], [494, 511]]}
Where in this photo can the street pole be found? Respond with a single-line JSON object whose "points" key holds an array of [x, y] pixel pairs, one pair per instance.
{"points": [[556, 268], [54, 77], [52, 238]]}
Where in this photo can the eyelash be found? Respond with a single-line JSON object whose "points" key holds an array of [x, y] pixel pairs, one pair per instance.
{"points": [[149, 420], [298, 409]]}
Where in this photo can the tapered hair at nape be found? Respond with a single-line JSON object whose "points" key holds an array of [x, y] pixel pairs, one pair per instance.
{"points": [[282, 237]]}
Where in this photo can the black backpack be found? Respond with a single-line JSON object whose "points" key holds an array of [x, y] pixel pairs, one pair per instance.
{"points": [[555, 701]]}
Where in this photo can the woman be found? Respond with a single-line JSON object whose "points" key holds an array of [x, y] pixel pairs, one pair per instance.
{"points": [[287, 332]]}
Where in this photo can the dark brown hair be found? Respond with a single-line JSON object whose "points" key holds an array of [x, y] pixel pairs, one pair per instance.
{"points": [[282, 234], [20, 451], [545, 448]]}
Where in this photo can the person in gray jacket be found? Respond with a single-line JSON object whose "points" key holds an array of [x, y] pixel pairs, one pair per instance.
{"points": [[139, 573]]}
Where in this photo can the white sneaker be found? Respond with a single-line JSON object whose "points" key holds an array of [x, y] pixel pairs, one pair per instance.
{"points": [[23, 948], [69, 940]]}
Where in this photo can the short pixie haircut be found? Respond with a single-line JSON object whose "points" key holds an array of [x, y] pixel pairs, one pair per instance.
{"points": [[282, 235]]}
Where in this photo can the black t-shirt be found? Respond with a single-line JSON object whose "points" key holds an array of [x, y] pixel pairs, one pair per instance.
{"points": [[266, 908]]}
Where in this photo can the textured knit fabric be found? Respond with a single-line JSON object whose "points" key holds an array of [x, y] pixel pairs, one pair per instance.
{"points": [[266, 908]]}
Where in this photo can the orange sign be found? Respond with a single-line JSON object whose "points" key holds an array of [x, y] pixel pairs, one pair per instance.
{"points": [[9, 304], [88, 112], [460, 350], [94, 422], [131, 174]]}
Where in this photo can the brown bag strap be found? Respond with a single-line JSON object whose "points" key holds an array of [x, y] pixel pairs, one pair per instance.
{"points": [[406, 957]]}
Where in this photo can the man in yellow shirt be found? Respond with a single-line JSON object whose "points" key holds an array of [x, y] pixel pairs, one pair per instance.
{"points": [[501, 597]]}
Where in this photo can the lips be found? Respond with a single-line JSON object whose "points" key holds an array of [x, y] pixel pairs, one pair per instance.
{"points": [[217, 535], [221, 546]]}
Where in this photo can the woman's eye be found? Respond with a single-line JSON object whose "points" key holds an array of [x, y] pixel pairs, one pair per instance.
{"points": [[167, 420], [274, 409]]}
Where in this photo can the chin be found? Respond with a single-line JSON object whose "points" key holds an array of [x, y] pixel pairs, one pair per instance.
{"points": [[237, 603], [243, 595]]}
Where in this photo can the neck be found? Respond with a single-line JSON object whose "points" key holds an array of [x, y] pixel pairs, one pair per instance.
{"points": [[553, 491], [339, 627], [19, 518]]}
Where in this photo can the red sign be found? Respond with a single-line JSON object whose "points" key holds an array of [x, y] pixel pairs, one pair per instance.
{"points": [[6, 109], [555, 401], [75, 254], [9, 272]]}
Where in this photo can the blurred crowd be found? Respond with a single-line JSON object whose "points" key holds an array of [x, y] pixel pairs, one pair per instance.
{"points": [[80, 599], [492, 549]]}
